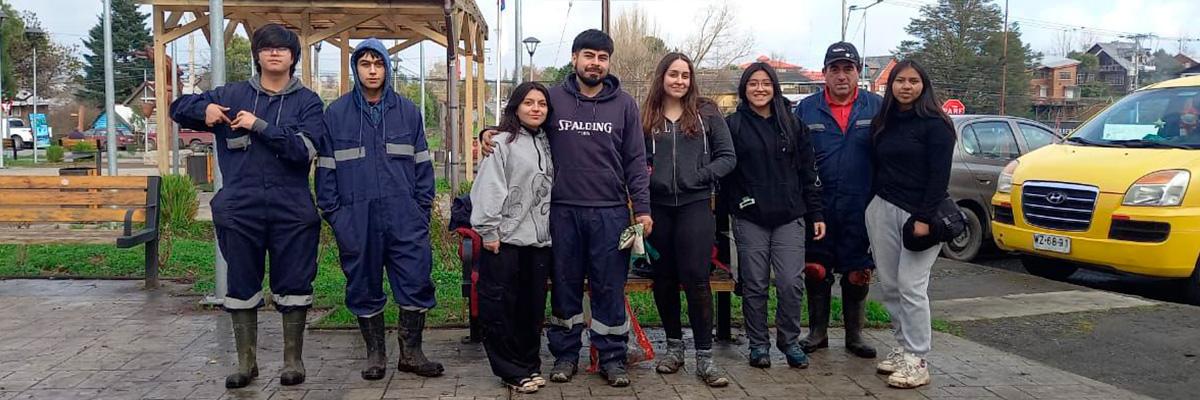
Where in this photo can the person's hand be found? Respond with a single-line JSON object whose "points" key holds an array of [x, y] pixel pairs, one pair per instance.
{"points": [[486, 145], [493, 246], [245, 120], [818, 230], [647, 223], [215, 114], [920, 229]]}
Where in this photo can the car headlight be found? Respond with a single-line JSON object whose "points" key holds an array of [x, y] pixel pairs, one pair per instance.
{"points": [[1161, 189], [1004, 183]]}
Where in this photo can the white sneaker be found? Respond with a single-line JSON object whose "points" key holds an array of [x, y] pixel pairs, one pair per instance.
{"points": [[892, 362], [914, 372]]}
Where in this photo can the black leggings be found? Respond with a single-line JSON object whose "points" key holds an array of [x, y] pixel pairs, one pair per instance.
{"points": [[683, 236]]}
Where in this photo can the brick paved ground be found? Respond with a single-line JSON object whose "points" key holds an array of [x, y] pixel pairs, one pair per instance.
{"points": [[110, 340]]}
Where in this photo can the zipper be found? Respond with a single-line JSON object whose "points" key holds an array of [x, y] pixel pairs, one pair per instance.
{"points": [[674, 163]]}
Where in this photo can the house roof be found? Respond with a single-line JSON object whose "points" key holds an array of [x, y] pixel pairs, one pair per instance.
{"points": [[876, 64], [1119, 51], [777, 64], [1056, 62]]}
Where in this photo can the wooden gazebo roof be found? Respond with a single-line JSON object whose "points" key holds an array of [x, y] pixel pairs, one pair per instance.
{"points": [[336, 22]]}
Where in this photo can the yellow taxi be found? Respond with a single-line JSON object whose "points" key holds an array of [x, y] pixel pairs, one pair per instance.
{"points": [[1121, 193]]}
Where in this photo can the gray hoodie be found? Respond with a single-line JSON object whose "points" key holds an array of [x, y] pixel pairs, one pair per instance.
{"points": [[511, 195]]}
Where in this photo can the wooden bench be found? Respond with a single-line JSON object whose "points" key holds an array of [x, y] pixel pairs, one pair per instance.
{"points": [[37, 206], [722, 286]]}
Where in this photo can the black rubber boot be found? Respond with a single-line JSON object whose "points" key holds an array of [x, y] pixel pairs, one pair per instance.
{"points": [[245, 337], [412, 359], [854, 314], [818, 314], [292, 372], [375, 338]]}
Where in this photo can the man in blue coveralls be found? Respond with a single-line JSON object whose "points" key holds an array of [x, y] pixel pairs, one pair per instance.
{"points": [[839, 118], [265, 132], [375, 188]]}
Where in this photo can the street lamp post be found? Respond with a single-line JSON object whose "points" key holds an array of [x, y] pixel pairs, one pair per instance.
{"points": [[3, 119], [33, 34], [531, 44], [396, 72]]}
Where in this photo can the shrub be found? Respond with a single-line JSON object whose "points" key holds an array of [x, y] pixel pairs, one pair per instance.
{"points": [[83, 146], [54, 153], [178, 204]]}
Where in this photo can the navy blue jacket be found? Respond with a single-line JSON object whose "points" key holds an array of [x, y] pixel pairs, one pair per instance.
{"points": [[373, 151], [278, 150], [843, 158]]}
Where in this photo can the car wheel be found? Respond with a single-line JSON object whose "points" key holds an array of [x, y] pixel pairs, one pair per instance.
{"points": [[1048, 268], [196, 146], [1191, 289], [966, 246], [18, 143]]}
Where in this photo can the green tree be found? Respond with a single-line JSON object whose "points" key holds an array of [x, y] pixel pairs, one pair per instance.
{"points": [[130, 39], [237, 59], [12, 34], [555, 75], [56, 63], [1165, 68], [960, 43]]}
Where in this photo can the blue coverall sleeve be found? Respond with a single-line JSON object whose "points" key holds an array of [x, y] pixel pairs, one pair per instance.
{"points": [[326, 175], [188, 110], [296, 143], [423, 186]]}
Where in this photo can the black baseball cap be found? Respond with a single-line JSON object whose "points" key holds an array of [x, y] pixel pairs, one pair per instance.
{"points": [[842, 51]]}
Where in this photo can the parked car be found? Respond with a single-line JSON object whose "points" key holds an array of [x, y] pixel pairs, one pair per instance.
{"points": [[124, 137], [986, 143], [197, 141], [20, 133], [1119, 195]]}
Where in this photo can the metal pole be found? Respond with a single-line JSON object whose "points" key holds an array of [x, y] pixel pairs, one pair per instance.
{"points": [[451, 124], [216, 25], [422, 48], [110, 112], [516, 42], [174, 95], [1004, 62], [3, 118], [845, 18], [530, 67], [498, 53], [605, 11], [35, 100]]}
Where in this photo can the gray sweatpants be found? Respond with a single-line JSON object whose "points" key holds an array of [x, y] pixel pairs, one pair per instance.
{"points": [[762, 251], [903, 276]]}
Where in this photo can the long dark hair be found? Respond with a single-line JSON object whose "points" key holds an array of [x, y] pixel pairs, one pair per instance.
{"points": [[779, 104], [925, 106], [652, 108], [509, 121]]}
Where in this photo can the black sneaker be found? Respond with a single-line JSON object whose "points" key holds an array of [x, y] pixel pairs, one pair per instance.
{"points": [[616, 375], [563, 371]]}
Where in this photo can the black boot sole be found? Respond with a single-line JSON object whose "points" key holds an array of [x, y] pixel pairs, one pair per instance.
{"points": [[374, 373], [812, 349], [861, 352], [291, 379]]}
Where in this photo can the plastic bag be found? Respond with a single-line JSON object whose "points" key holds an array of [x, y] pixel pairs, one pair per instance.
{"points": [[637, 350]]}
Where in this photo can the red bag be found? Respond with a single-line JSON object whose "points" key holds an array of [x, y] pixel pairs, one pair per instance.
{"points": [[637, 350]]}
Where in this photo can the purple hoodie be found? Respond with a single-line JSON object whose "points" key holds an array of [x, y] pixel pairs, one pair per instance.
{"points": [[598, 147]]}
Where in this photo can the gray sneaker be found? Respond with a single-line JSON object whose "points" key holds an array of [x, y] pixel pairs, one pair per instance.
{"points": [[707, 370], [671, 359]]}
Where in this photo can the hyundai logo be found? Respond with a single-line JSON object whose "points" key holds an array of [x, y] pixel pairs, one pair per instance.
{"points": [[1056, 197]]}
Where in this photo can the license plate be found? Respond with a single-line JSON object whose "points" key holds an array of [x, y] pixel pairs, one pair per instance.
{"points": [[1057, 244]]}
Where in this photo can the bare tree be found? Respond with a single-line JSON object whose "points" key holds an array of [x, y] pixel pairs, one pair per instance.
{"points": [[1063, 43], [718, 40], [637, 49]]}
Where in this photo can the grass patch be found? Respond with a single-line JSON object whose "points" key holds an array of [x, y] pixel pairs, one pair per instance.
{"points": [[947, 327]]}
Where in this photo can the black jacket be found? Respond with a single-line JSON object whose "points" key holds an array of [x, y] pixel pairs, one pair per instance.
{"points": [[913, 158], [775, 181], [686, 169]]}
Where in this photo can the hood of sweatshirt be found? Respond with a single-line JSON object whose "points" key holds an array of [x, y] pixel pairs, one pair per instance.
{"points": [[372, 112]]}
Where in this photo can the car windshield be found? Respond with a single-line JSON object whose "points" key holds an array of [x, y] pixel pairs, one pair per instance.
{"points": [[1160, 118]]}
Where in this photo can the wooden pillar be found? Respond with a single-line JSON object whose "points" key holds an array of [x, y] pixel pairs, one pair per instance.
{"points": [[345, 68], [161, 102], [306, 50], [481, 106], [469, 117]]}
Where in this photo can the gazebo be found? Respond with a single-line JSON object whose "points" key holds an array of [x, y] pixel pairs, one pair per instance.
{"points": [[454, 24]]}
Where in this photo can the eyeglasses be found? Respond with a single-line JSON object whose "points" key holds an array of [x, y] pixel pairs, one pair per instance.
{"points": [[275, 50]]}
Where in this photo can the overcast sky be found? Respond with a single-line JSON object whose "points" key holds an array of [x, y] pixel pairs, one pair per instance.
{"points": [[797, 29]]}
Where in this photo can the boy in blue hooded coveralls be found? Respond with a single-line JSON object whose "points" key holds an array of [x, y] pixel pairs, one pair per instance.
{"points": [[375, 188]]}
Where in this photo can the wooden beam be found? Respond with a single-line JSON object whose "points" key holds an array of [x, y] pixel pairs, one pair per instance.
{"points": [[346, 24], [469, 118], [305, 49], [403, 45], [230, 29], [253, 19], [178, 32], [345, 67], [481, 107], [336, 43], [161, 102], [173, 19], [420, 28]]}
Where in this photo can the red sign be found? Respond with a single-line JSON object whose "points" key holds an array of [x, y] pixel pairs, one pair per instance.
{"points": [[954, 107], [7, 106]]}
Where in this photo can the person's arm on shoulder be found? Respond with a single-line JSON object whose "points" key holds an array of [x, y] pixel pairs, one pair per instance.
{"points": [[939, 150], [488, 194]]}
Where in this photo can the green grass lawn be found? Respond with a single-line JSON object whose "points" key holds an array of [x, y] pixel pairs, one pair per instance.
{"points": [[191, 258]]}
